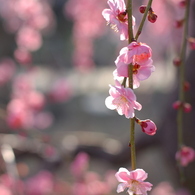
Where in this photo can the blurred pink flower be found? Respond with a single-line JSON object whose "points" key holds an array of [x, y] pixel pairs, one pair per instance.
{"points": [[29, 38], [18, 115], [123, 100], [79, 165], [40, 184], [116, 16], [7, 69], [185, 155], [60, 91], [163, 188], [23, 56], [133, 181], [4, 190]]}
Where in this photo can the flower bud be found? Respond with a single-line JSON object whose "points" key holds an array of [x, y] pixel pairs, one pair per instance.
{"points": [[142, 8], [186, 86], [191, 41], [177, 61], [178, 23], [187, 107], [185, 155], [176, 105], [152, 17], [148, 126], [182, 3]]}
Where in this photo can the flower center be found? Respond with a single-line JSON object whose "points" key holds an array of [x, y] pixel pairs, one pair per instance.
{"points": [[122, 16], [135, 68]]}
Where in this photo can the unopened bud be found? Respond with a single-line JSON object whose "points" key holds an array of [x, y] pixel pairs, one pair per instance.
{"points": [[187, 107], [176, 105], [182, 3], [142, 8], [152, 17], [148, 126], [177, 61], [178, 23], [191, 41], [186, 86]]}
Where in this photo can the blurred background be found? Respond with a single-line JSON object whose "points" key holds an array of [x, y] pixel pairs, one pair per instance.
{"points": [[56, 63]]}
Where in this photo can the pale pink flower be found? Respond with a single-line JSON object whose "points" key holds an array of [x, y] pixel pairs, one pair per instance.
{"points": [[148, 126], [80, 165], [29, 38], [135, 53], [185, 155], [133, 181], [116, 16], [123, 100]]}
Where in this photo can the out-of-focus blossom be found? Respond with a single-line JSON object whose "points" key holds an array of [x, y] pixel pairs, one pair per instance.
{"points": [[85, 30], [123, 100], [40, 184], [60, 91], [18, 115], [116, 16], [7, 69], [4, 190], [79, 165], [23, 56], [191, 41], [43, 120], [29, 38], [185, 155], [163, 188], [133, 181]]}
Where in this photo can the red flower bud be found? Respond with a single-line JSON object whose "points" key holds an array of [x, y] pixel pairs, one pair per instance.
{"points": [[177, 61], [178, 23], [152, 17], [148, 126], [182, 3], [187, 107], [176, 105], [191, 41], [142, 8], [186, 86]]}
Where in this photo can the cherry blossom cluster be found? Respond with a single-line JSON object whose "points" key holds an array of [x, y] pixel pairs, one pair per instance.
{"points": [[122, 98], [85, 30]]}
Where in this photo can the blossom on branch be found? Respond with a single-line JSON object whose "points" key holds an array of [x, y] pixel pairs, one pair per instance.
{"points": [[123, 100], [133, 181], [116, 16], [185, 155], [139, 54]]}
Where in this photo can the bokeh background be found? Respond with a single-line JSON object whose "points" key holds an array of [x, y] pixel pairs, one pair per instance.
{"points": [[56, 62]]}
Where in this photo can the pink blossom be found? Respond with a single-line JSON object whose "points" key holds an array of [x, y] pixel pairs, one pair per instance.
{"points": [[133, 181], [135, 53], [4, 190], [7, 69], [80, 164], [185, 155], [116, 16], [148, 126], [123, 100], [23, 56], [29, 38], [40, 184]]}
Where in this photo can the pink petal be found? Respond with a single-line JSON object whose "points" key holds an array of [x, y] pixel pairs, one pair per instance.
{"points": [[138, 174], [122, 175], [109, 104], [107, 14], [121, 187]]}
